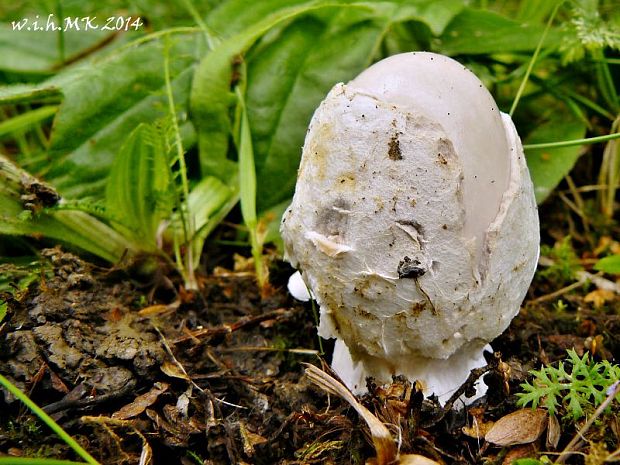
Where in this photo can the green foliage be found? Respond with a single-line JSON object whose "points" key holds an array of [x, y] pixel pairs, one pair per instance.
{"points": [[138, 191], [610, 264], [481, 32], [575, 386], [565, 261], [35, 461]]}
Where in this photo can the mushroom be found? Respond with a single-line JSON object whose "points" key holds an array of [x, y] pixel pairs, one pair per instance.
{"points": [[414, 222]]}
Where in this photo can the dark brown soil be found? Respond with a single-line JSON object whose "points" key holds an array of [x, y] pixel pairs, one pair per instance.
{"points": [[131, 368]]}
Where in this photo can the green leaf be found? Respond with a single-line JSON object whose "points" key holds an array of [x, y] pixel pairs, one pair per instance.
{"points": [[139, 194], [234, 16], [37, 52], [247, 173], [549, 166], [481, 32], [103, 102], [535, 11], [4, 308], [609, 264]]}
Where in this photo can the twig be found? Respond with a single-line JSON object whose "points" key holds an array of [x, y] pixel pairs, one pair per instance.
{"points": [[474, 375], [558, 293]]}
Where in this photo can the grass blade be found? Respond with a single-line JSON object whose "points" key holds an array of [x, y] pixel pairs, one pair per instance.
{"points": [[24, 121], [35, 461]]}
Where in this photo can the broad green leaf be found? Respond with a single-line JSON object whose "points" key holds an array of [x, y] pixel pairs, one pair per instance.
{"points": [[609, 264], [480, 32], [235, 16], [549, 166], [104, 102], [4, 307], [37, 52], [535, 11], [436, 14], [139, 194]]}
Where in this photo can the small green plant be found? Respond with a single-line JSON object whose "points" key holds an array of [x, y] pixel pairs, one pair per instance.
{"points": [[560, 306], [575, 385], [565, 261]]}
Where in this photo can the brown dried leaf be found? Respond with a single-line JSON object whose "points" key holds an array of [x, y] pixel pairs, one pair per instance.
{"points": [[553, 432], [174, 370], [57, 383], [521, 427], [250, 440], [159, 309], [140, 403]]}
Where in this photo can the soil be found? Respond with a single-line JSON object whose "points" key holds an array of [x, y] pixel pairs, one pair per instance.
{"points": [[140, 370]]}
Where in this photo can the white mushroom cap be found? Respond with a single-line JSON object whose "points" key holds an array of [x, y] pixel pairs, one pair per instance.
{"points": [[415, 257]]}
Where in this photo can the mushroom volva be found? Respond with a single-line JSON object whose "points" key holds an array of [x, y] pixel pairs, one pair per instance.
{"points": [[413, 222]]}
